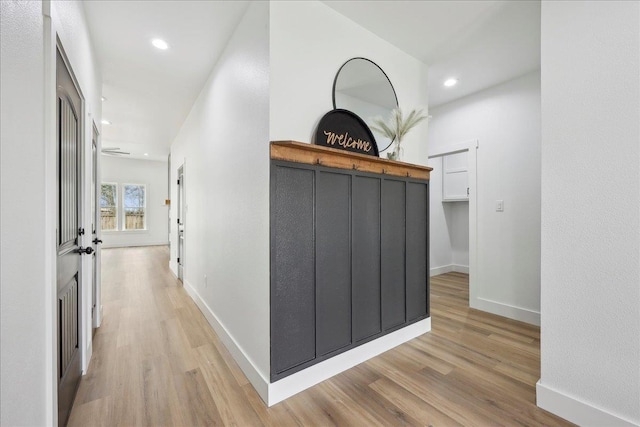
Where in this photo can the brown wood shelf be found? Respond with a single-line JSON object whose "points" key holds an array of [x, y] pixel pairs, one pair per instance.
{"points": [[311, 154]]}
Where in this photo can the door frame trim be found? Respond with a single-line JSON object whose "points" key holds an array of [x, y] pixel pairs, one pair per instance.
{"points": [[84, 353], [95, 323], [53, 43], [470, 146], [181, 215]]}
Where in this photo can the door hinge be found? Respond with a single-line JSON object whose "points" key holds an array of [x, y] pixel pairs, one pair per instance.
{"points": [[178, 260], [178, 182], [178, 220], [80, 231]]}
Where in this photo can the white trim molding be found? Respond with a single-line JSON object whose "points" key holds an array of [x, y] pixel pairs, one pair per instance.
{"points": [[436, 271], [272, 393], [506, 310], [460, 268], [257, 379], [471, 146], [575, 410], [133, 245], [453, 148], [295, 383]]}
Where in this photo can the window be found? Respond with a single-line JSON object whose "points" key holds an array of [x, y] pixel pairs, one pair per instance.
{"points": [[131, 207], [109, 206], [134, 206]]}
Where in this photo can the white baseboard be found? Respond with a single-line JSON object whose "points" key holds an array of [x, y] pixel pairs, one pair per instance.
{"points": [[132, 245], [295, 383], [87, 356], [575, 410], [460, 268], [436, 271], [173, 268], [272, 393], [506, 310], [259, 381]]}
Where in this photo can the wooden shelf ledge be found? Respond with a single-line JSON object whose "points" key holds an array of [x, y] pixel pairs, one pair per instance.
{"points": [[311, 154]]}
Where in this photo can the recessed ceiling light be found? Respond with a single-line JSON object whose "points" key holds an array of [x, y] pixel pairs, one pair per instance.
{"points": [[102, 98], [451, 82], [146, 154], [106, 122], [160, 44]]}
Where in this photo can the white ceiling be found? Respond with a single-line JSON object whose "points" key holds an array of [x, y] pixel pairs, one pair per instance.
{"points": [[150, 92], [482, 43]]}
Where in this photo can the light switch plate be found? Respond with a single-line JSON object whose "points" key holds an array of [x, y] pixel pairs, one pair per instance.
{"points": [[499, 205]]}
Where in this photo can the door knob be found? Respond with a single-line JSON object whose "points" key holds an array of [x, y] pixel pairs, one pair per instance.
{"points": [[96, 241], [82, 251]]}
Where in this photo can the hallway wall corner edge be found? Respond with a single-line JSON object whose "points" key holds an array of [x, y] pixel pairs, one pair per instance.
{"points": [[256, 378]]}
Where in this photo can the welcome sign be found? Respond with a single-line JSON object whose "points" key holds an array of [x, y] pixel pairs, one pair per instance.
{"points": [[344, 130]]}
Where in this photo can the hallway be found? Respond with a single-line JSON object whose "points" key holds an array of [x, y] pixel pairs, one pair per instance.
{"points": [[156, 361]]}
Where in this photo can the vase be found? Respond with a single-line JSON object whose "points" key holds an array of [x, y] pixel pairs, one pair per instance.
{"points": [[397, 151]]}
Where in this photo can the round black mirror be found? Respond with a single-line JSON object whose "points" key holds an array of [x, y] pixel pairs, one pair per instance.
{"points": [[362, 87]]}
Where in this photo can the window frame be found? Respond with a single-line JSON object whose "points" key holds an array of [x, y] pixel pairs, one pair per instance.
{"points": [[116, 206], [124, 212]]}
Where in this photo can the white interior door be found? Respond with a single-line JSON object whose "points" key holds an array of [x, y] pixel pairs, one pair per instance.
{"points": [[181, 223], [95, 231]]}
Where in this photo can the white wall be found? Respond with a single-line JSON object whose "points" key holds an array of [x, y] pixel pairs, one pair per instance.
{"points": [[28, 165], [590, 353], [224, 146], [22, 298], [309, 43], [153, 174], [505, 120]]}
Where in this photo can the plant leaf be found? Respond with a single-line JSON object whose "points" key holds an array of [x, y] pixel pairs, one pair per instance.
{"points": [[397, 127], [381, 127]]}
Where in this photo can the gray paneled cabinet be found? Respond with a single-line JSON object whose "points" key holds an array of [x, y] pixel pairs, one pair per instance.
{"points": [[349, 258]]}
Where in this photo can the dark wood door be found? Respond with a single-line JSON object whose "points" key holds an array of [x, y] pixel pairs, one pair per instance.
{"points": [[68, 131]]}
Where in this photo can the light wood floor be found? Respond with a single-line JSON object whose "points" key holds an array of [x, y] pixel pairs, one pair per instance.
{"points": [[156, 361]]}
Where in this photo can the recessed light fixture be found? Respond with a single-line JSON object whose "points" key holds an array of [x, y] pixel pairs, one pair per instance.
{"points": [[102, 98], [146, 154], [106, 122], [160, 44], [450, 82]]}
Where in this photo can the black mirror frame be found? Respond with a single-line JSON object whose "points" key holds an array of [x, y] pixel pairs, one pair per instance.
{"points": [[335, 80]]}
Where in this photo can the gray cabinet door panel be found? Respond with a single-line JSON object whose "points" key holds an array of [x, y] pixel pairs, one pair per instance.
{"points": [[293, 288], [393, 250], [417, 214], [365, 257], [333, 262], [349, 260]]}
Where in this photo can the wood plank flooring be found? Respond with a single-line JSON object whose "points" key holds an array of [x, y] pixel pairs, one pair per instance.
{"points": [[157, 362]]}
